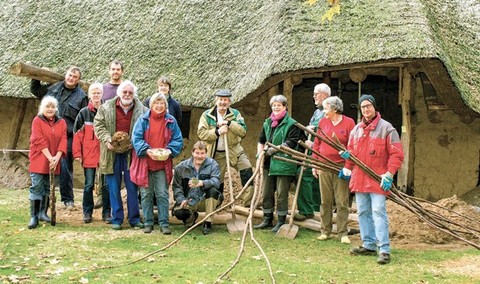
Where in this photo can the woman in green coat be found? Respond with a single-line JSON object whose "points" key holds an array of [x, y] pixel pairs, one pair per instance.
{"points": [[278, 129]]}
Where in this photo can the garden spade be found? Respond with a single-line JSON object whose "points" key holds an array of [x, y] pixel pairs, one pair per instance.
{"points": [[53, 199], [234, 225], [289, 230]]}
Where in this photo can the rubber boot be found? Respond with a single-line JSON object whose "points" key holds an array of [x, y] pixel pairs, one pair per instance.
{"points": [[42, 214], [280, 222], [266, 223], [34, 208]]}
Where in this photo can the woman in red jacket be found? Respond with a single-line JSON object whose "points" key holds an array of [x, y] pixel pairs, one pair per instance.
{"points": [[86, 150], [48, 142]]}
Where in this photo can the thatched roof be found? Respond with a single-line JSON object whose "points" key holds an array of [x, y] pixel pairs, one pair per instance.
{"points": [[206, 45]]}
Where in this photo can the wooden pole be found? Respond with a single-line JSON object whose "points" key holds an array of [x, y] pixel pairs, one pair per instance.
{"points": [[33, 72]]}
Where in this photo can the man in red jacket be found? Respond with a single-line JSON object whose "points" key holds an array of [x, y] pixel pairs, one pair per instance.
{"points": [[375, 142]]}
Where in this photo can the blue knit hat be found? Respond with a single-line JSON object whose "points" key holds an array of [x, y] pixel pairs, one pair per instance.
{"points": [[369, 98]]}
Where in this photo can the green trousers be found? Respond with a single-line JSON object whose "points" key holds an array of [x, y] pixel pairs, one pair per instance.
{"points": [[309, 200]]}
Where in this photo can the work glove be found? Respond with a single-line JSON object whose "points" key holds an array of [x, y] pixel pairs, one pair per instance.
{"points": [[270, 151], [386, 182], [344, 154], [345, 174]]}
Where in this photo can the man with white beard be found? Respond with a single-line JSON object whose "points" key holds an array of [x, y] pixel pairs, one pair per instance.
{"points": [[119, 114]]}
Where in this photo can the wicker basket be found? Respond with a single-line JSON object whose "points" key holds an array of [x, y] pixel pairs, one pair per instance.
{"points": [[159, 154]]}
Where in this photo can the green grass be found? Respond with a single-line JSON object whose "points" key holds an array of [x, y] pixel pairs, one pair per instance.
{"points": [[67, 253]]}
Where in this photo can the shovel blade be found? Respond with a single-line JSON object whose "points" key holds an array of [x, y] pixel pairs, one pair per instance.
{"points": [[235, 226], [287, 231]]}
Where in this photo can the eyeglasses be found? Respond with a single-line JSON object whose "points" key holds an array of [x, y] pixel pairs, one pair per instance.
{"points": [[127, 92], [369, 106]]}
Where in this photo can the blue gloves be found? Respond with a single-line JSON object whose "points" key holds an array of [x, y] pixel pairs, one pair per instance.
{"points": [[345, 174], [344, 154], [386, 182]]}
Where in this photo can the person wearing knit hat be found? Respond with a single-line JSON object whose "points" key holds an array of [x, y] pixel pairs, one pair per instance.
{"points": [[377, 143], [369, 98]]}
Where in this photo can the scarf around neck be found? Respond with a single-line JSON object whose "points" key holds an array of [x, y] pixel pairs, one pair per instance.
{"points": [[277, 118]]}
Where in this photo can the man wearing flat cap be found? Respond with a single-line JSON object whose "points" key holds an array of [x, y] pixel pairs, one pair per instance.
{"points": [[375, 142], [223, 120]]}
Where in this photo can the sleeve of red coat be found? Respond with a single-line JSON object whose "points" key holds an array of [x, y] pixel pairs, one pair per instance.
{"points": [[78, 143], [63, 142], [348, 163], [37, 139], [395, 151]]}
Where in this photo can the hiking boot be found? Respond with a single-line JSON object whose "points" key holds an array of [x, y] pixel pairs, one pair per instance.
{"points": [[266, 223], [87, 218], [70, 205], [280, 222], [302, 217], [383, 258], [362, 251], [165, 230], [116, 227], [138, 225], [148, 229], [107, 219], [207, 228]]}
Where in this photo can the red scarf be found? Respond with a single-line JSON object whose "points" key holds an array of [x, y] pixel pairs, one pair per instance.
{"points": [[277, 118], [156, 137]]}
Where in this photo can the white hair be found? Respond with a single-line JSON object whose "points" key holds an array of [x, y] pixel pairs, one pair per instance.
{"points": [[94, 86], [46, 101], [124, 84]]}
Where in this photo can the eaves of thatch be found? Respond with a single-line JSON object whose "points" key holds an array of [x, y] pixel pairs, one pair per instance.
{"points": [[206, 45]]}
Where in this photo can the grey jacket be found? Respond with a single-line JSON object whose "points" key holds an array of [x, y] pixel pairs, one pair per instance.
{"points": [[104, 125], [209, 174]]}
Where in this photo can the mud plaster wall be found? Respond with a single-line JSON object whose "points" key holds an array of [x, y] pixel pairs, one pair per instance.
{"points": [[446, 153]]}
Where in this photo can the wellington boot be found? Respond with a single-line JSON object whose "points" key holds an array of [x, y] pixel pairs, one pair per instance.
{"points": [[34, 208], [42, 214], [266, 223], [280, 222]]}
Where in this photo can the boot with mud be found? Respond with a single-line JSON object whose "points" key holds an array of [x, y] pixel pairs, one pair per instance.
{"points": [[280, 222], [34, 208], [266, 223], [42, 214]]}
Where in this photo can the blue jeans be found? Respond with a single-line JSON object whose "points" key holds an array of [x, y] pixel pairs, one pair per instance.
{"points": [[87, 203], [40, 186], [373, 221], [114, 182], [157, 188], [66, 174]]}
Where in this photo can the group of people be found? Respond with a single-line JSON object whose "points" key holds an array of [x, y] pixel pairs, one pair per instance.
{"points": [[71, 126]]}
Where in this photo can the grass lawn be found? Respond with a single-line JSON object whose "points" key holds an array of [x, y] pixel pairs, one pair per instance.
{"points": [[69, 252]]}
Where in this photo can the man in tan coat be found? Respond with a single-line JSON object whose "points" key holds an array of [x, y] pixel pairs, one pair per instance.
{"points": [[223, 120]]}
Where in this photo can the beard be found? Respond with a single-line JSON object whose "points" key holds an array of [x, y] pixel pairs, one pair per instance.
{"points": [[126, 102]]}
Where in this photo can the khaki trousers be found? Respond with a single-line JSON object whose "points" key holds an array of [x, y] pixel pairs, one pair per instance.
{"points": [[332, 188]]}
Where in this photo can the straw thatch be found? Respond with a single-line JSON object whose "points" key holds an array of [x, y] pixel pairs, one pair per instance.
{"points": [[206, 45]]}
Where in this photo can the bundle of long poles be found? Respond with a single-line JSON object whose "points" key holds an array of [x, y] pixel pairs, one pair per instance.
{"points": [[433, 219]]}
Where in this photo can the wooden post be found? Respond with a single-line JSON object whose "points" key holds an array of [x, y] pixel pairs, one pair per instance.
{"points": [[16, 127], [287, 92], [405, 173]]}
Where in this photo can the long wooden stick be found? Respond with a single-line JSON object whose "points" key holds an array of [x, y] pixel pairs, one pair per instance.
{"points": [[33, 72]]}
